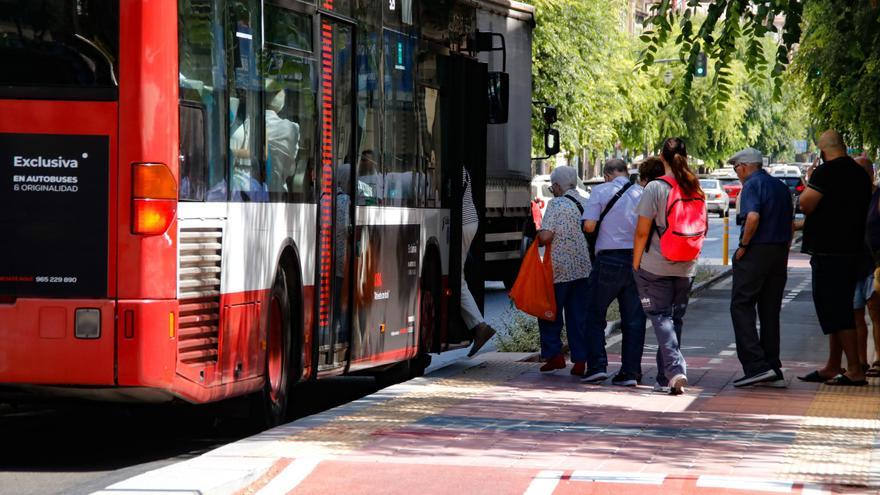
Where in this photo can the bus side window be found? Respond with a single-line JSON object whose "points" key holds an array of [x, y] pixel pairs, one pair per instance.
{"points": [[202, 103], [193, 161], [401, 161], [246, 142]]}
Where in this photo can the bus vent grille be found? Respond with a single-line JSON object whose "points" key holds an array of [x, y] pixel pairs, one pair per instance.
{"points": [[199, 288], [200, 256], [198, 333]]}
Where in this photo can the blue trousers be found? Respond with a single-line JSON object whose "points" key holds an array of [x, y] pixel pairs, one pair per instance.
{"points": [[612, 278], [570, 298], [665, 301]]}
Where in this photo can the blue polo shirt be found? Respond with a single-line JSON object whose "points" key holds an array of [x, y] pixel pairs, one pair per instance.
{"points": [[771, 199]]}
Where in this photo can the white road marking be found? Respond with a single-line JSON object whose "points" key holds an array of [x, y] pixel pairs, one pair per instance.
{"points": [[715, 360], [291, 476], [752, 485], [619, 477], [727, 353], [732, 345], [544, 483]]}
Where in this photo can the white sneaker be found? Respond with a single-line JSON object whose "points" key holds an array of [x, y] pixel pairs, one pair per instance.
{"points": [[661, 389], [677, 384]]}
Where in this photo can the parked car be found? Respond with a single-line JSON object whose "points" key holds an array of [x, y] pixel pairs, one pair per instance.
{"points": [[716, 199], [729, 182], [790, 175], [541, 190], [732, 187]]}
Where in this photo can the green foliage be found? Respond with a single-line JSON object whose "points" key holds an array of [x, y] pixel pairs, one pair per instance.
{"points": [[735, 108], [833, 47], [838, 65], [582, 63], [726, 24]]}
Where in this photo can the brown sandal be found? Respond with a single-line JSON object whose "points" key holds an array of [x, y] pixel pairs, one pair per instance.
{"points": [[874, 370]]}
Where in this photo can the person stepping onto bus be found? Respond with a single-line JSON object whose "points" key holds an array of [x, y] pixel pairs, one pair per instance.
{"points": [[760, 269], [669, 235], [561, 230], [470, 312], [610, 214]]}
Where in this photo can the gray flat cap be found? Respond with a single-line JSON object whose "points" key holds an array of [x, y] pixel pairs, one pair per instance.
{"points": [[748, 155]]}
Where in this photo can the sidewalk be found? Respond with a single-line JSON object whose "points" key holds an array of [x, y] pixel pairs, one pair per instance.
{"points": [[496, 425]]}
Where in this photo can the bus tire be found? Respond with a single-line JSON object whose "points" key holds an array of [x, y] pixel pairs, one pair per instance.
{"points": [[272, 401], [429, 319]]}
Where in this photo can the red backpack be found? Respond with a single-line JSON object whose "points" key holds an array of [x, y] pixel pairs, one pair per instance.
{"points": [[686, 224]]}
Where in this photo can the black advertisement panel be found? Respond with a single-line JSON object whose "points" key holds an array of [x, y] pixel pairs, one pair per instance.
{"points": [[53, 215], [387, 287]]}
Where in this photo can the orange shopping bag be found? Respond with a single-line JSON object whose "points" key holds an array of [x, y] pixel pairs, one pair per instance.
{"points": [[533, 291]]}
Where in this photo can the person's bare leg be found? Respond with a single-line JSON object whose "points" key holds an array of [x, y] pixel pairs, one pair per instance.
{"points": [[832, 366], [850, 344], [874, 313], [861, 336]]}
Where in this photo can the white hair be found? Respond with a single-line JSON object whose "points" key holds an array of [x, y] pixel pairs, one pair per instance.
{"points": [[565, 176]]}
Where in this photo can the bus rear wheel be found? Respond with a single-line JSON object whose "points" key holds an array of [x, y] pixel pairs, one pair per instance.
{"points": [[273, 399], [429, 320]]}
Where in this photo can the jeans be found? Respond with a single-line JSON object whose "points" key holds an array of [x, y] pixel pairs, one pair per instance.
{"points": [[665, 300], [612, 278], [758, 280], [569, 299]]}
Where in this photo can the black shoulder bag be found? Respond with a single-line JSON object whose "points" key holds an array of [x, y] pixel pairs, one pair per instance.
{"points": [[593, 236]]}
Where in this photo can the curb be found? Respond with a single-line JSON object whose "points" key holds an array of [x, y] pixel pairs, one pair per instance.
{"points": [[712, 281]]}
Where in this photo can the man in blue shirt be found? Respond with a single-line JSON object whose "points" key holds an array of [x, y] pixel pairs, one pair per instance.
{"points": [[611, 214], [759, 269]]}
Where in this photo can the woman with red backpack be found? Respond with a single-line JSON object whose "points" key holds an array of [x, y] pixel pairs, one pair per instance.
{"points": [[672, 225]]}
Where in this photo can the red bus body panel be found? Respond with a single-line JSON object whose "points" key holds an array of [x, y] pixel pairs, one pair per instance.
{"points": [[148, 122], [37, 345]]}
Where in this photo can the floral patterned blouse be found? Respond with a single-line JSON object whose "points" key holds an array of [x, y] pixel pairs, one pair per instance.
{"points": [[571, 258]]}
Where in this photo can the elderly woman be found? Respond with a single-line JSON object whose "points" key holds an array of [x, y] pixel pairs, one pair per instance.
{"points": [[561, 230]]}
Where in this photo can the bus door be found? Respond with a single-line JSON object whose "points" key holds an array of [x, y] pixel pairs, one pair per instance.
{"points": [[335, 205], [467, 80]]}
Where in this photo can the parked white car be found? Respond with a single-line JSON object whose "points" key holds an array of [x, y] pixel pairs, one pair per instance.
{"points": [[541, 190], [716, 198]]}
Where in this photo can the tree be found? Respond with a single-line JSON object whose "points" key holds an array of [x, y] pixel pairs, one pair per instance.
{"points": [[582, 63], [838, 65], [833, 47], [715, 127]]}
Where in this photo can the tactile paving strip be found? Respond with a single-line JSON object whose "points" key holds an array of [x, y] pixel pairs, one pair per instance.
{"points": [[351, 432], [838, 438]]}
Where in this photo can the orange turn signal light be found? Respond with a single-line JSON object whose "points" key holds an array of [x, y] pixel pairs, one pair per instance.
{"points": [[154, 203], [153, 181]]}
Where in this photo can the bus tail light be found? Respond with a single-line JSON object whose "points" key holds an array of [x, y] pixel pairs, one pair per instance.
{"points": [[155, 198]]}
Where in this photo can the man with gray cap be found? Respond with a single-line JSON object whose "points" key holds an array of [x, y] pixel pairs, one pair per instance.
{"points": [[759, 269]]}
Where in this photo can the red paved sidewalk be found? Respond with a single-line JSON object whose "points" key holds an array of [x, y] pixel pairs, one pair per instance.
{"points": [[499, 426]]}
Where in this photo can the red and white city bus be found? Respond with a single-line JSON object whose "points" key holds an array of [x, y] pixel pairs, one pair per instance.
{"points": [[204, 199]]}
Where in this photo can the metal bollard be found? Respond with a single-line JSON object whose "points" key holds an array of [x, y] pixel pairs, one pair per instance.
{"points": [[726, 240]]}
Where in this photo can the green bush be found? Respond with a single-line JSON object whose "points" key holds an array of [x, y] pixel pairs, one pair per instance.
{"points": [[520, 331]]}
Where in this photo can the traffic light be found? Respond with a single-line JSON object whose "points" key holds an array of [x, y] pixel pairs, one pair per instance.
{"points": [[700, 68], [549, 114]]}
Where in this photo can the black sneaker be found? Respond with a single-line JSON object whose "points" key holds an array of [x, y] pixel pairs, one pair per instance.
{"points": [[778, 382], [763, 376], [624, 379], [594, 376]]}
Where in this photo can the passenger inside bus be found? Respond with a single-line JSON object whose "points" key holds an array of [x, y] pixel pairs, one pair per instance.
{"points": [[282, 137], [246, 185], [370, 175]]}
